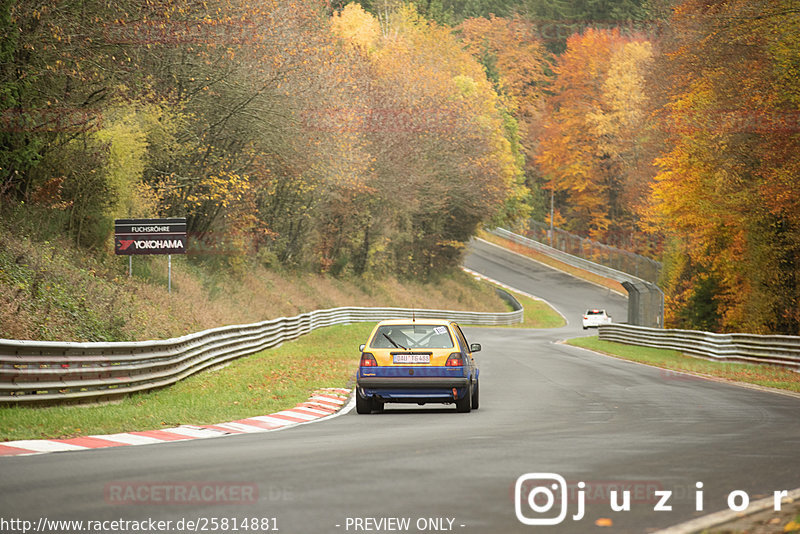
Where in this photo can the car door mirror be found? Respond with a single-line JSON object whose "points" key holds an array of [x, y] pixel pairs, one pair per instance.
{"points": [[361, 347], [475, 347]]}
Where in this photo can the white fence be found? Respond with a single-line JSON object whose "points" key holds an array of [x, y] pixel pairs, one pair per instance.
{"points": [[750, 348], [62, 372]]}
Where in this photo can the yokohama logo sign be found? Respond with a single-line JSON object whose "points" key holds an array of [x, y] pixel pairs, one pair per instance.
{"points": [[150, 236], [124, 245]]}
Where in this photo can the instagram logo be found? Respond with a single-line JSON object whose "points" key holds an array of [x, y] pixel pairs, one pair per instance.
{"points": [[538, 493], [542, 498]]}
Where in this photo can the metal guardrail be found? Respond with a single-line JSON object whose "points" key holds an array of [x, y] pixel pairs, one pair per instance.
{"points": [[646, 300], [63, 372], [748, 348], [595, 251], [569, 259]]}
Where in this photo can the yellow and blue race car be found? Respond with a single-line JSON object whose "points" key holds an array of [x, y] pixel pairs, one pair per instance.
{"points": [[417, 361]]}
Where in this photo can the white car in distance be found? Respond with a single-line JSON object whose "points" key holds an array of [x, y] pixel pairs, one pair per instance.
{"points": [[594, 318]]}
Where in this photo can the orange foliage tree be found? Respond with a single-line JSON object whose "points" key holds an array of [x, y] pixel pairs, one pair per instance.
{"points": [[727, 191], [434, 127], [515, 60], [594, 124]]}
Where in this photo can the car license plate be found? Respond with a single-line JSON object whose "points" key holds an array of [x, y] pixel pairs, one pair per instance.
{"points": [[412, 358]]}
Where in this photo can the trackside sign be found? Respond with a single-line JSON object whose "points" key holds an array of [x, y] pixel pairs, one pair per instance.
{"points": [[149, 236]]}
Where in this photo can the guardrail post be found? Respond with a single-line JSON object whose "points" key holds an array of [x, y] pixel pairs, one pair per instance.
{"points": [[645, 304], [634, 307]]}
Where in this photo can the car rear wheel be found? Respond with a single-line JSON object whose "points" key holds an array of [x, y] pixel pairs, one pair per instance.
{"points": [[476, 396], [363, 405], [464, 404]]}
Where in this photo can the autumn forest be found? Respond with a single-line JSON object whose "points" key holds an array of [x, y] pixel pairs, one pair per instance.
{"points": [[379, 136]]}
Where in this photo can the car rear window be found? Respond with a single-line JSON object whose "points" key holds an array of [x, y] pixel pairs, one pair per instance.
{"points": [[595, 312], [412, 336]]}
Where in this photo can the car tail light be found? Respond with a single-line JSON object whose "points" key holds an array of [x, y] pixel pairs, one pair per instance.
{"points": [[455, 360], [368, 360]]}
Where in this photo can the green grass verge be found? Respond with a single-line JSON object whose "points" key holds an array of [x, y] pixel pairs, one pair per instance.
{"points": [[761, 375], [538, 314], [267, 382]]}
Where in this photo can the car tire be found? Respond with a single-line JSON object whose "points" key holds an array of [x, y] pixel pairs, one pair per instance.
{"points": [[476, 396], [377, 406], [363, 406], [464, 404]]}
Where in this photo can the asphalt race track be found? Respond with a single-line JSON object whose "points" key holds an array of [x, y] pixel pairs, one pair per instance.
{"points": [[545, 408]]}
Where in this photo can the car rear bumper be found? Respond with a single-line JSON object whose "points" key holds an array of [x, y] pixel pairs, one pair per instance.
{"points": [[594, 324], [412, 377], [422, 382], [413, 384]]}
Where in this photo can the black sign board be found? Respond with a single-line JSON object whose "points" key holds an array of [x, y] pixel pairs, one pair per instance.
{"points": [[150, 236]]}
